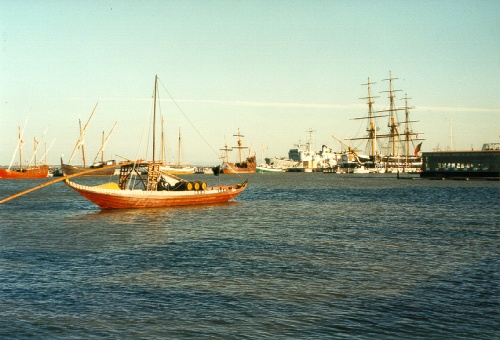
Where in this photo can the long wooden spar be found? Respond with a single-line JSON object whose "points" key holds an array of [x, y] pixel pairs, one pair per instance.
{"points": [[58, 180]]}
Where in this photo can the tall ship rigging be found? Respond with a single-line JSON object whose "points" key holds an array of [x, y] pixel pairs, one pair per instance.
{"points": [[398, 156], [395, 150]]}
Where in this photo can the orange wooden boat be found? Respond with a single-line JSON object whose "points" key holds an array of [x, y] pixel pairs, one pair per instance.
{"points": [[158, 190], [40, 171], [30, 171], [148, 185]]}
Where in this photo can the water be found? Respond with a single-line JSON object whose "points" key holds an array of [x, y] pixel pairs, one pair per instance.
{"points": [[296, 256]]}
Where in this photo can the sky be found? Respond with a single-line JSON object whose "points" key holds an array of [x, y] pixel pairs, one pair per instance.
{"points": [[273, 69]]}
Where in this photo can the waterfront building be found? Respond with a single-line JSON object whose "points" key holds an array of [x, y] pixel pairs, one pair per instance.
{"points": [[481, 164]]}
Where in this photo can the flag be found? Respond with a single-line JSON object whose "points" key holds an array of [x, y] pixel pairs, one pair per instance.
{"points": [[417, 149]]}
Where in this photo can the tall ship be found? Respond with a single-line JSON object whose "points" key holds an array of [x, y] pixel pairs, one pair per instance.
{"points": [[102, 167], [25, 171], [397, 150], [243, 166]]}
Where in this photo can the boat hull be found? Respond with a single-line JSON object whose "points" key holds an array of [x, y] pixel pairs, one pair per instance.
{"points": [[263, 169], [68, 170], [177, 171], [116, 198], [41, 171], [231, 168]]}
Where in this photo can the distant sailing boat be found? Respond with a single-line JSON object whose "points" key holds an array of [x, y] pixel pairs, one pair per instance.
{"points": [[177, 168], [144, 185], [28, 171], [243, 166], [68, 169]]}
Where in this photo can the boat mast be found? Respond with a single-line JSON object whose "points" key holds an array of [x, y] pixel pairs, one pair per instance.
{"points": [[393, 122], [102, 149], [226, 150], [35, 148], [179, 149], [371, 129], [372, 133], [451, 131], [240, 144], [104, 141], [409, 135], [19, 141], [154, 116], [20, 150], [162, 140], [80, 141], [36, 145], [83, 145]]}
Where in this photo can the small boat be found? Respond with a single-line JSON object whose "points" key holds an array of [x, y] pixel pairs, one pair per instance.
{"points": [[29, 171], [175, 168], [68, 169], [247, 166], [39, 171], [265, 168], [145, 185]]}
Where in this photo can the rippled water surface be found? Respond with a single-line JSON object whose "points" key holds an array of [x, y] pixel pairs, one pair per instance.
{"points": [[295, 256]]}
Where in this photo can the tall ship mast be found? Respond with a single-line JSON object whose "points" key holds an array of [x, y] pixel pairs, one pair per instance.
{"points": [[400, 143], [372, 126], [409, 137], [399, 152], [393, 123], [240, 145]]}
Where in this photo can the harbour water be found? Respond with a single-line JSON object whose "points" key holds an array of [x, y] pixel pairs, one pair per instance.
{"points": [[296, 256]]}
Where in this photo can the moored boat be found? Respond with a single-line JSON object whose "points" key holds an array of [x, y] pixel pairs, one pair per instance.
{"points": [[174, 168], [268, 169], [68, 169], [145, 185], [178, 170], [39, 171], [246, 166], [158, 190], [27, 171]]}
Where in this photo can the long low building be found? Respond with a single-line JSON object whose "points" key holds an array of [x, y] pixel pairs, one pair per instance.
{"points": [[482, 164]]}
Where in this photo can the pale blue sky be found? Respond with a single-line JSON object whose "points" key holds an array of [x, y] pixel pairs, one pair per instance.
{"points": [[274, 69]]}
